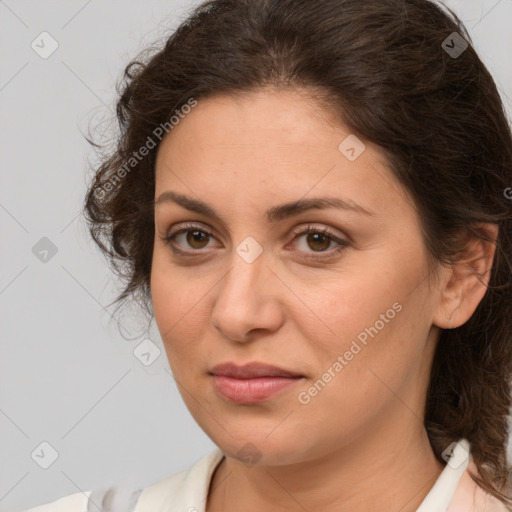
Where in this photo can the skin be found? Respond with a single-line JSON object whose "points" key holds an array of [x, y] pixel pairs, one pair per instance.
{"points": [[360, 443]]}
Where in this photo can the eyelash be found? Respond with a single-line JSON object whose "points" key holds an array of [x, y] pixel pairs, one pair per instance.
{"points": [[343, 244]]}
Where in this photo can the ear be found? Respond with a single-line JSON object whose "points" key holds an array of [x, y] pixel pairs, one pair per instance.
{"points": [[467, 279]]}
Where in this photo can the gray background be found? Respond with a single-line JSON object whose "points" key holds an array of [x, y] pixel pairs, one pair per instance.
{"points": [[67, 376]]}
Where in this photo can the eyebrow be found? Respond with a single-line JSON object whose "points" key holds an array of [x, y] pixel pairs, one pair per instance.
{"points": [[273, 214]]}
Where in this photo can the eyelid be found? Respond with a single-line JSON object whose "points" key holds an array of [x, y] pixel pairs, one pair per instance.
{"points": [[302, 230], [180, 228]]}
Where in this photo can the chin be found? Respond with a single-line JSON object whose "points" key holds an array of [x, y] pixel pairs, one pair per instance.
{"points": [[258, 448]]}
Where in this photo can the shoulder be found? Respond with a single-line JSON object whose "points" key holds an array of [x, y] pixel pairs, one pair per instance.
{"points": [[188, 487], [111, 499], [183, 491], [72, 503], [470, 496], [488, 503]]}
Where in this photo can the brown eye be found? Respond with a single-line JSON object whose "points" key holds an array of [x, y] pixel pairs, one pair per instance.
{"points": [[318, 241], [188, 237], [314, 240], [196, 238]]}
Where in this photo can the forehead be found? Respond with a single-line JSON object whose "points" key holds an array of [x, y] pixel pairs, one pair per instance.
{"points": [[268, 144], [266, 123]]}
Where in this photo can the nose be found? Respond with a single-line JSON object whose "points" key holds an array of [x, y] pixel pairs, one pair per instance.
{"points": [[248, 301]]}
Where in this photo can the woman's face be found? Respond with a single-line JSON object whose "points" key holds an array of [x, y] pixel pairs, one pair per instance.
{"points": [[353, 325]]}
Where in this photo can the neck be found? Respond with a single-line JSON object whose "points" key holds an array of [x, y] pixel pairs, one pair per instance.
{"points": [[384, 471]]}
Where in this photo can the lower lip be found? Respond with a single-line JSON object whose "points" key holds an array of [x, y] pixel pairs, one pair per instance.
{"points": [[251, 391]]}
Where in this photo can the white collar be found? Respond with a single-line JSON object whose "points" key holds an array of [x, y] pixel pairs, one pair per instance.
{"points": [[441, 494]]}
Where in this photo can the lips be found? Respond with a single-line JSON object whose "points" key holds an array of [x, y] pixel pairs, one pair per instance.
{"points": [[251, 371], [252, 383]]}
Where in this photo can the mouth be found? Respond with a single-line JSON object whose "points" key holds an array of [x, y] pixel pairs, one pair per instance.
{"points": [[252, 383]]}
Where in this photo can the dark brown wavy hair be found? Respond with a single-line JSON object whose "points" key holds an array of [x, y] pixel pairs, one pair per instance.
{"points": [[387, 71]]}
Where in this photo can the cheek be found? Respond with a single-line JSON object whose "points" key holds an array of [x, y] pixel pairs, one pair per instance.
{"points": [[343, 310], [365, 329], [180, 308]]}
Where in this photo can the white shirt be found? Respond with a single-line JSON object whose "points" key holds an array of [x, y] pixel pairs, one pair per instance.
{"points": [[187, 491]]}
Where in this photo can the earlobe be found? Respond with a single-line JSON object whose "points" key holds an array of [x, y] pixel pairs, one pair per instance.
{"points": [[467, 278]]}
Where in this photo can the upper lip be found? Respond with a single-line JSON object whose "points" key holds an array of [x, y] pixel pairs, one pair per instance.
{"points": [[251, 371]]}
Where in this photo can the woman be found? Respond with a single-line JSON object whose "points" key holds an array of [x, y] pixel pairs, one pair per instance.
{"points": [[311, 198]]}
